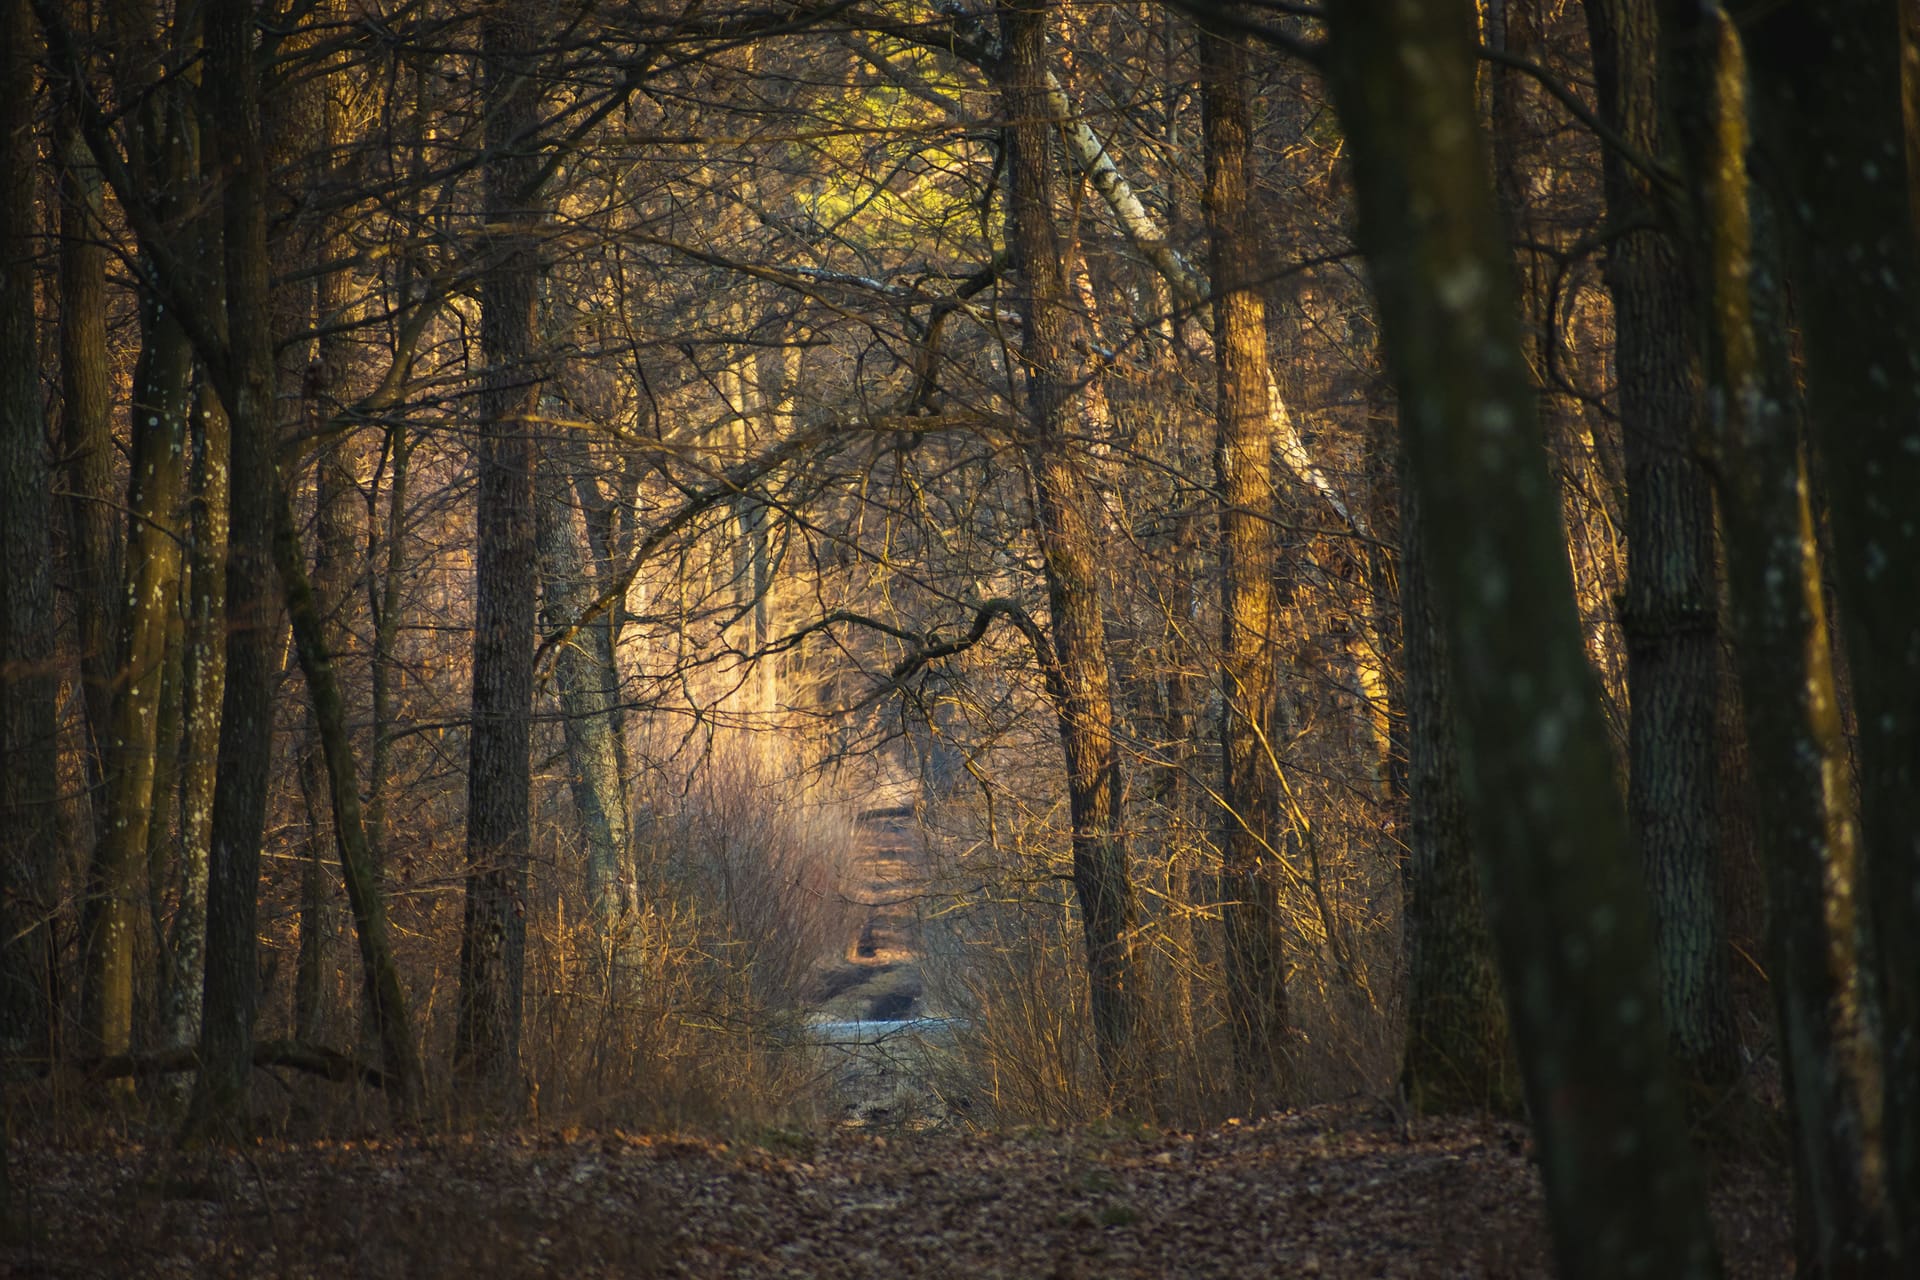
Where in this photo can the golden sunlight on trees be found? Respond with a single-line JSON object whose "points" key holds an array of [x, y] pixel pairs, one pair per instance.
{"points": [[796, 569]]}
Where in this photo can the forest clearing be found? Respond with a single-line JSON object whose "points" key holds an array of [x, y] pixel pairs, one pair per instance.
{"points": [[1041, 637]]}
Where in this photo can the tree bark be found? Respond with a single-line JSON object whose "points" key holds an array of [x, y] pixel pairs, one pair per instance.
{"points": [[1794, 732], [1081, 681], [87, 441], [1828, 84], [1569, 918], [493, 937], [245, 378], [1458, 1056], [203, 681], [581, 670], [29, 681], [1670, 614], [1255, 830], [384, 994], [162, 385]]}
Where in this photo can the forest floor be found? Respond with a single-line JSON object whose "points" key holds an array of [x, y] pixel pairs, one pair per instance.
{"points": [[1347, 1190], [1351, 1189]]}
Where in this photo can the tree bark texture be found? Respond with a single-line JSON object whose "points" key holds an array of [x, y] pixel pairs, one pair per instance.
{"points": [[203, 689], [1255, 828], [1671, 610], [1625, 1194], [493, 938], [1081, 680]]}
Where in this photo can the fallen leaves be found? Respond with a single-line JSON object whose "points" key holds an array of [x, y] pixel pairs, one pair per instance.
{"points": [[1335, 1191]]}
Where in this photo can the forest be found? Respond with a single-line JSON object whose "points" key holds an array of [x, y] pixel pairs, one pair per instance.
{"points": [[1216, 565]]}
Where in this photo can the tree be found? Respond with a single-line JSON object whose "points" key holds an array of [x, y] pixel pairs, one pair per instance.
{"points": [[1827, 93], [1255, 826], [1670, 612], [1568, 915], [1079, 677], [29, 683], [493, 938]]}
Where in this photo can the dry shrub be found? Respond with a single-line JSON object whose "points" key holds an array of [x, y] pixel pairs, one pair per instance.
{"points": [[1007, 958], [687, 1014]]}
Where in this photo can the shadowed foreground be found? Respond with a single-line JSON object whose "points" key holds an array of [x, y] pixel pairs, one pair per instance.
{"points": [[1337, 1191]]}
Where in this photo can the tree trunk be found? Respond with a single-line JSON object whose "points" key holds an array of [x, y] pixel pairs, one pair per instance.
{"points": [[162, 385], [245, 377], [494, 934], [1828, 81], [1081, 679], [1798, 749], [1568, 913], [384, 994], [1255, 827], [87, 441], [1458, 1057], [203, 681], [581, 670], [1670, 614], [29, 683]]}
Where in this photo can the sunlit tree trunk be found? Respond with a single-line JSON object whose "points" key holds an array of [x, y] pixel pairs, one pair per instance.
{"points": [[29, 681], [1794, 733], [493, 938], [1624, 1193], [1081, 680], [1255, 826], [1828, 83], [1670, 613], [86, 421], [150, 592]]}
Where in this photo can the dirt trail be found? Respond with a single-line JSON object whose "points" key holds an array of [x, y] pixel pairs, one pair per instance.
{"points": [[877, 977], [871, 1004]]}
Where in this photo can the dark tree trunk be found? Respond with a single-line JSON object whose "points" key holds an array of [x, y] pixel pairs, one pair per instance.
{"points": [[494, 935], [1828, 83], [1568, 913], [1794, 733], [1081, 680], [381, 980], [246, 383], [1671, 608], [1255, 825], [29, 680], [1457, 1054]]}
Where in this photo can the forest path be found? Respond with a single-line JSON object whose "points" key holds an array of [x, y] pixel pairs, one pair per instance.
{"points": [[870, 1006]]}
